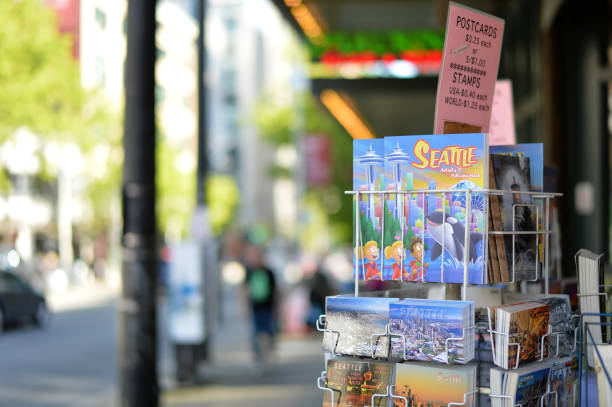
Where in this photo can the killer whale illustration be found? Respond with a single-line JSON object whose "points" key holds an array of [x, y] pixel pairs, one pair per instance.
{"points": [[452, 232]]}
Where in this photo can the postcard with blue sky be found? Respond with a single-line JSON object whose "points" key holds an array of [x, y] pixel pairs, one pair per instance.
{"points": [[368, 166], [535, 153], [424, 233], [421, 329], [354, 320]]}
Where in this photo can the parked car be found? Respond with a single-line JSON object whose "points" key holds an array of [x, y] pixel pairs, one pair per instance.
{"points": [[20, 302]]}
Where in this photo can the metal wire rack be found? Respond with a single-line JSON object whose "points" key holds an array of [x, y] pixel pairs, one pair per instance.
{"points": [[541, 204], [540, 201]]}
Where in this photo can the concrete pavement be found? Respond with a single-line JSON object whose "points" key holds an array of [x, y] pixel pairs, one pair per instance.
{"points": [[85, 296], [287, 382], [231, 378]]}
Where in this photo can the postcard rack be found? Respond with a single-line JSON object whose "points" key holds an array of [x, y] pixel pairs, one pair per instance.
{"points": [[586, 338], [541, 201], [543, 398], [548, 395], [541, 205], [390, 393], [321, 326], [467, 330], [494, 334], [518, 345]]}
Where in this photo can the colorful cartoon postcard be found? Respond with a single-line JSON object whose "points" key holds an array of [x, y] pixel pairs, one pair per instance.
{"points": [[424, 233], [368, 165]]}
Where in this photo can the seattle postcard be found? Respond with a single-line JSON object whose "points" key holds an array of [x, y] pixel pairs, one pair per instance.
{"points": [[352, 321]]}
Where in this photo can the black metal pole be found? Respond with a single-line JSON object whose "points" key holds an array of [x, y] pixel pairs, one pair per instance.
{"points": [[202, 131], [138, 336], [188, 356]]}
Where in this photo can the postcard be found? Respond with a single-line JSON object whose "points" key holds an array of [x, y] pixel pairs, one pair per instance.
{"points": [[425, 233], [353, 321]]}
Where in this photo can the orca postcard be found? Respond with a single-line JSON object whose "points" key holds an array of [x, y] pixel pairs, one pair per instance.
{"points": [[424, 234]]}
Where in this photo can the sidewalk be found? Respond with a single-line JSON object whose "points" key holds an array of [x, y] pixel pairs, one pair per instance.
{"points": [[232, 379], [288, 382], [86, 296]]}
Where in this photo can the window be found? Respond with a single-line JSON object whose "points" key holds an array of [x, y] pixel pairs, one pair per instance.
{"points": [[100, 71], [100, 18]]}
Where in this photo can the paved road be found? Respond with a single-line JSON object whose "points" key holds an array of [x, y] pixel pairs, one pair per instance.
{"points": [[71, 363]]}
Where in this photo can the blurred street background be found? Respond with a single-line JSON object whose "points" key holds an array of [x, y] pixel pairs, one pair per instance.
{"points": [[245, 112]]}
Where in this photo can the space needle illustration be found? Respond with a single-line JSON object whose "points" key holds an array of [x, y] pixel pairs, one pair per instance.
{"points": [[370, 160], [396, 158]]}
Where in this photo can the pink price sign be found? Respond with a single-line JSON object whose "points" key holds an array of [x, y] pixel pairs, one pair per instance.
{"points": [[470, 62], [501, 127]]}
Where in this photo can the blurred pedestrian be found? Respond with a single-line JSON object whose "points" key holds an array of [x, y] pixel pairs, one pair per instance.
{"points": [[319, 287], [261, 285]]}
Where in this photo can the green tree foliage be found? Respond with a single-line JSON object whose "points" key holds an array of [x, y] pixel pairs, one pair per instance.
{"points": [[381, 42], [223, 197], [279, 123], [41, 90], [335, 203], [38, 77], [408, 234], [393, 229], [175, 191], [103, 188], [176, 197], [274, 121], [101, 142], [368, 232]]}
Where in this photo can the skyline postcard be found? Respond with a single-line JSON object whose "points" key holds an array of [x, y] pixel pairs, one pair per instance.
{"points": [[354, 382], [421, 384], [421, 328], [353, 321]]}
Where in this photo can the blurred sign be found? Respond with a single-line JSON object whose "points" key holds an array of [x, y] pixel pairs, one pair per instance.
{"points": [[200, 227], [501, 127], [186, 299], [393, 68], [469, 69], [383, 54], [318, 160], [68, 20], [584, 198], [377, 44]]}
